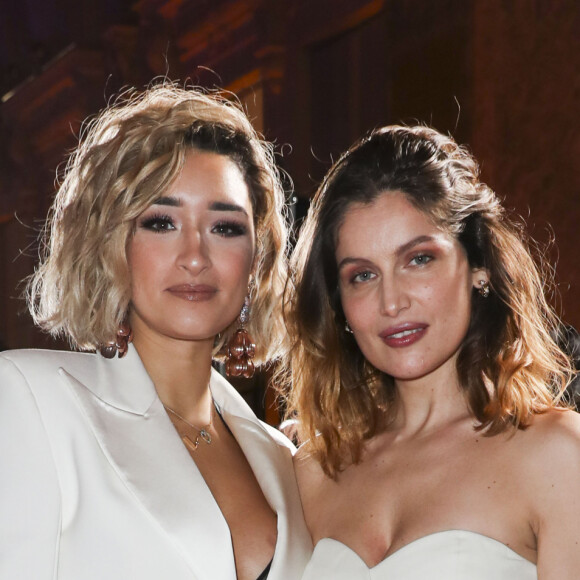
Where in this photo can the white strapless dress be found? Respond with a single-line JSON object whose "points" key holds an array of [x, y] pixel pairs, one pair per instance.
{"points": [[448, 555]]}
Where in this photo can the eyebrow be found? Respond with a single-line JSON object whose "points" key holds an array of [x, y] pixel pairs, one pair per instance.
{"points": [[170, 201], [224, 206], [398, 252], [214, 206]]}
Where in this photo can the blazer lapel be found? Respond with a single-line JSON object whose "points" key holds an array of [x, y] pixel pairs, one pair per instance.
{"points": [[140, 442], [271, 463]]}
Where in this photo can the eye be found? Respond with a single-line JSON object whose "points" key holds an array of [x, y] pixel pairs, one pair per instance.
{"points": [[421, 259], [363, 276], [229, 229], [158, 223]]}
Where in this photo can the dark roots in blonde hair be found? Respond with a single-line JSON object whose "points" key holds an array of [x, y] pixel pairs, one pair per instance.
{"points": [[509, 366], [128, 156]]}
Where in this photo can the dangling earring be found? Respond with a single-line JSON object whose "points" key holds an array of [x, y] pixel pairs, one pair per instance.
{"points": [[484, 289], [241, 348], [348, 328], [120, 344]]}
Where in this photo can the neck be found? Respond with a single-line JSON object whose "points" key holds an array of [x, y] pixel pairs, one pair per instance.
{"points": [[180, 371], [430, 402]]}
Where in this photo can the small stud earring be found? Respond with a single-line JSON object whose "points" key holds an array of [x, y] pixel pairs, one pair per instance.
{"points": [[348, 328], [484, 289]]}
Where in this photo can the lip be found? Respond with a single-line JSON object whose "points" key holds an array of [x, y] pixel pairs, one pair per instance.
{"points": [[404, 334], [193, 292]]}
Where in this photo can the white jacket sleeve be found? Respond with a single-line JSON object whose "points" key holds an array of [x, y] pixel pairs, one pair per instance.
{"points": [[29, 489]]}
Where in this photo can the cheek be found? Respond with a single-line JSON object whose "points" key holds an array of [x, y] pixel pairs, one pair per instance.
{"points": [[358, 310], [453, 301], [235, 264], [143, 260]]}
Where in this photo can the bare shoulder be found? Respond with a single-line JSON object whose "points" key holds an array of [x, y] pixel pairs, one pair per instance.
{"points": [[551, 453], [309, 474], [553, 465], [304, 463], [556, 433]]}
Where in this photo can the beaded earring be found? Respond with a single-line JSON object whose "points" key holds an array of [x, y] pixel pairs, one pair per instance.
{"points": [[241, 348], [120, 344]]}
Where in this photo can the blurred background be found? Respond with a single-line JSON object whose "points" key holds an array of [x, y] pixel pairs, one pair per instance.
{"points": [[502, 76]]}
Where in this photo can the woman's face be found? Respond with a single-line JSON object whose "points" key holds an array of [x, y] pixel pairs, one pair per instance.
{"points": [[405, 287], [192, 252]]}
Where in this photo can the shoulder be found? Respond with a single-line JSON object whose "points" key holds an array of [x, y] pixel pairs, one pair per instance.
{"points": [[555, 433], [308, 470], [551, 438], [553, 469], [550, 454], [27, 360], [38, 370]]}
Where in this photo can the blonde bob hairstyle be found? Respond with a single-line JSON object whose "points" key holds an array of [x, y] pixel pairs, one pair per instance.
{"points": [[128, 156], [508, 365]]}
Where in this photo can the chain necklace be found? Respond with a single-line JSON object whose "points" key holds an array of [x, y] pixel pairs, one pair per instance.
{"points": [[203, 433]]}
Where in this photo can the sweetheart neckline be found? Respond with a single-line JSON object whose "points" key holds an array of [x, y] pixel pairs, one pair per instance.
{"points": [[421, 540]]}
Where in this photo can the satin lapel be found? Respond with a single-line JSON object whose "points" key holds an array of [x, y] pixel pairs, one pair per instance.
{"points": [[143, 447], [271, 463]]}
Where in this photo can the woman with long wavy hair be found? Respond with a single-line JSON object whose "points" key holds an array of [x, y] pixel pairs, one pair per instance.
{"points": [[165, 245], [427, 387]]}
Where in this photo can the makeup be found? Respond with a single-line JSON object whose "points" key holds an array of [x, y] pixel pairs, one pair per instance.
{"points": [[403, 334]]}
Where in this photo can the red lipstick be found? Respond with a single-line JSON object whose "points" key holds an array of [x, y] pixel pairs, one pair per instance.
{"points": [[403, 334], [193, 292]]}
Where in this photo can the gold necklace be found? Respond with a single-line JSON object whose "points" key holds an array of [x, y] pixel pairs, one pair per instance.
{"points": [[203, 433]]}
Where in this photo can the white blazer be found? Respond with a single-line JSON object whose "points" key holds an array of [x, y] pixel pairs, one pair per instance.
{"points": [[95, 483]]}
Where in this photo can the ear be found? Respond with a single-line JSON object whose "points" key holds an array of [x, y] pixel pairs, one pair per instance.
{"points": [[479, 276]]}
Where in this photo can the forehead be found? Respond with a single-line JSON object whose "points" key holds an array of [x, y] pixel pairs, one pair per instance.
{"points": [[390, 219], [209, 177]]}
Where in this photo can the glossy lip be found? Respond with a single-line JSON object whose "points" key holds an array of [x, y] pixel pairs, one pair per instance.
{"points": [[389, 338], [193, 292]]}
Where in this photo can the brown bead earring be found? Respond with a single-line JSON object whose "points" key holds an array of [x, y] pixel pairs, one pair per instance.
{"points": [[241, 348], [120, 344]]}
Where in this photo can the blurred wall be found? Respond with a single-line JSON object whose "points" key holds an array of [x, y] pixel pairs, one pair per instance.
{"points": [[500, 75]]}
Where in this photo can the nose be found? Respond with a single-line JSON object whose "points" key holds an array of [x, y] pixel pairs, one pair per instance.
{"points": [[394, 297], [193, 254]]}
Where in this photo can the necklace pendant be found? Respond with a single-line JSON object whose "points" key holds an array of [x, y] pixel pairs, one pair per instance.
{"points": [[205, 436], [191, 445]]}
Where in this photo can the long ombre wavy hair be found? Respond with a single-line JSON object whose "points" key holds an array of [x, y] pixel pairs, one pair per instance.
{"points": [[508, 366], [128, 156]]}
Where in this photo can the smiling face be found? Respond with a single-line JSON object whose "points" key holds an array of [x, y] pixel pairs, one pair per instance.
{"points": [[405, 287], [192, 252]]}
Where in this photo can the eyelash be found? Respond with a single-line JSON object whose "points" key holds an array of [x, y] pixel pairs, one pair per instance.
{"points": [[229, 229], [417, 260], [355, 278], [163, 223], [425, 259], [158, 223]]}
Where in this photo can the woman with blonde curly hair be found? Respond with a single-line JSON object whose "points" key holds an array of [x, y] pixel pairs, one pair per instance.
{"points": [[425, 380], [165, 246]]}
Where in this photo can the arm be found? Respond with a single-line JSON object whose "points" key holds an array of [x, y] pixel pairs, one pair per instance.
{"points": [[557, 499], [29, 490]]}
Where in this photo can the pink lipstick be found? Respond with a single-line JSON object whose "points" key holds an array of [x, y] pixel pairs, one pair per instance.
{"points": [[193, 292], [403, 334]]}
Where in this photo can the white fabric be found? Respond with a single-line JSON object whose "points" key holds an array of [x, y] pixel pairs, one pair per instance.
{"points": [[95, 483], [448, 555]]}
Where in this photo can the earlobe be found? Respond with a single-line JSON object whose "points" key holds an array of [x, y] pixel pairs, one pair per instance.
{"points": [[478, 276]]}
